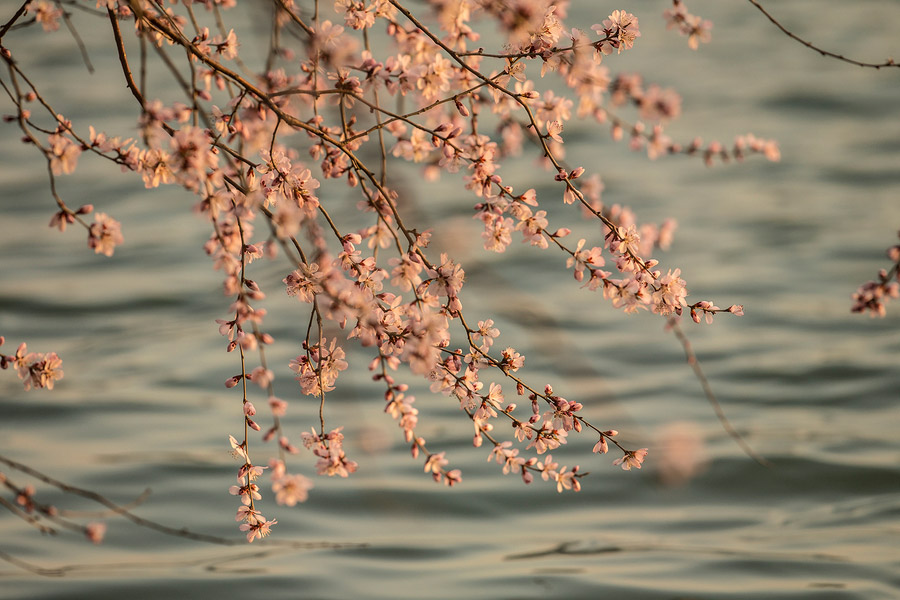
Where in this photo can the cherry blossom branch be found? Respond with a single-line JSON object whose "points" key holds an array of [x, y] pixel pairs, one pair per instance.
{"points": [[236, 161]]}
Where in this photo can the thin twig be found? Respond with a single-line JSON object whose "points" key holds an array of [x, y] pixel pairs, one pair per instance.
{"points": [[14, 18], [707, 390], [120, 48], [888, 63], [78, 41]]}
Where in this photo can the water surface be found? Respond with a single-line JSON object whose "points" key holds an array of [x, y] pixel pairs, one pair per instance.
{"points": [[811, 387]]}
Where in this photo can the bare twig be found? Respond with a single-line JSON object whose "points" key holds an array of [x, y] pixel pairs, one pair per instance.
{"points": [[707, 389], [887, 63]]}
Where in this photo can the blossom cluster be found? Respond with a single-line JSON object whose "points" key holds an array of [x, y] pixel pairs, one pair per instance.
{"points": [[36, 370], [871, 296], [696, 28], [262, 156]]}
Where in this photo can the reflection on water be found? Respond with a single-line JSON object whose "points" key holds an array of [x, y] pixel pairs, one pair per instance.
{"points": [[811, 387]]}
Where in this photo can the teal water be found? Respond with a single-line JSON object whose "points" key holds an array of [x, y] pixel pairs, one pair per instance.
{"points": [[812, 388]]}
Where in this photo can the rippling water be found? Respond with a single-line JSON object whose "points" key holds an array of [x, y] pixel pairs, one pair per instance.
{"points": [[812, 388]]}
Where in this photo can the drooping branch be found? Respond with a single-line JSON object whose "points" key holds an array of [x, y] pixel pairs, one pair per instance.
{"points": [[887, 63]]}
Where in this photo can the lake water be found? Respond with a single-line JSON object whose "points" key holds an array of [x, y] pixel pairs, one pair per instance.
{"points": [[812, 388]]}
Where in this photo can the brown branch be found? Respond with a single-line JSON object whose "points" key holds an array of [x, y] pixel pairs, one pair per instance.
{"points": [[120, 48], [888, 63], [183, 532], [309, 30], [707, 390], [78, 41], [14, 18]]}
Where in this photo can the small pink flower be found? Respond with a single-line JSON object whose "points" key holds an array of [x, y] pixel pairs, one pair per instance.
{"points": [[105, 234], [278, 406], [248, 470], [567, 480], [43, 371], [291, 489], [237, 450], [46, 14], [554, 128], [246, 492], [245, 513], [435, 463], [631, 459], [64, 154], [258, 529]]}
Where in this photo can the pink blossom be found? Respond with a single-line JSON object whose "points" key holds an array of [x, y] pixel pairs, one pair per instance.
{"points": [[38, 370], [46, 14], [248, 493], [237, 450], [278, 406], [258, 529], [250, 515], [291, 489], [659, 104], [253, 472], [512, 360], [567, 480], [554, 128], [622, 29], [548, 468], [64, 154], [523, 431], [261, 376], [105, 234], [486, 332], [227, 47], [669, 297], [631, 459]]}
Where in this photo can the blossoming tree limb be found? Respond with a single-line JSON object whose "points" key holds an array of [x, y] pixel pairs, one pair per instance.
{"points": [[372, 84]]}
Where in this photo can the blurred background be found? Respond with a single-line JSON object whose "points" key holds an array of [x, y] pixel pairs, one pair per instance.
{"points": [[812, 388]]}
